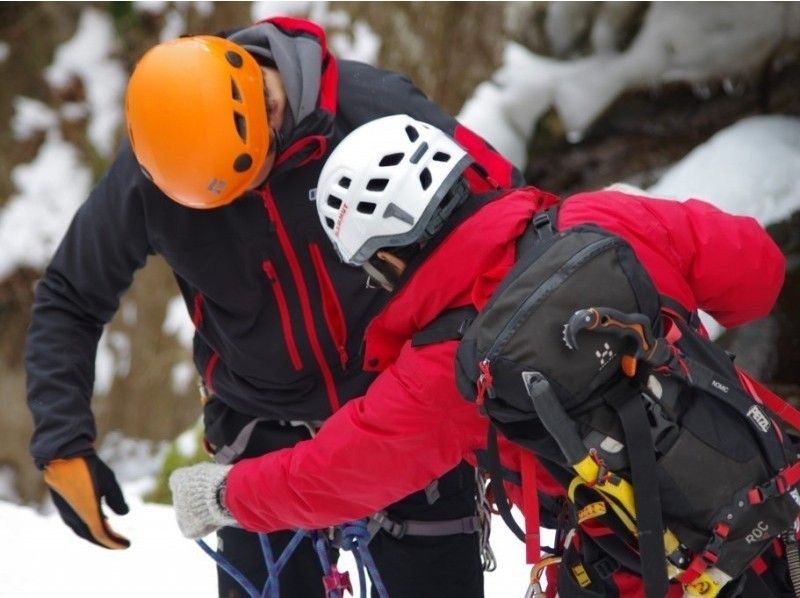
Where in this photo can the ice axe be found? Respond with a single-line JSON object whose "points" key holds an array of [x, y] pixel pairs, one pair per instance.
{"points": [[635, 326]]}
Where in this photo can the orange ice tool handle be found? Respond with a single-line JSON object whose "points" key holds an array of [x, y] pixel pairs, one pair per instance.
{"points": [[634, 326], [77, 484]]}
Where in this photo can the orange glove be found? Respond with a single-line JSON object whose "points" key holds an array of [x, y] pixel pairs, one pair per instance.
{"points": [[77, 484]]}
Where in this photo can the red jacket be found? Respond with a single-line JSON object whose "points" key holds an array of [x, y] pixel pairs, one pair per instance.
{"points": [[412, 426]]}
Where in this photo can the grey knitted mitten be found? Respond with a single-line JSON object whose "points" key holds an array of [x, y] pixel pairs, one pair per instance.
{"points": [[196, 495]]}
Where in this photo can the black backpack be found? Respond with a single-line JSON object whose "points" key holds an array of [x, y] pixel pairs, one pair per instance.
{"points": [[674, 468]]}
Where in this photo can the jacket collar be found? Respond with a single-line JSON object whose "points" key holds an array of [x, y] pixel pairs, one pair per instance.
{"points": [[462, 270], [299, 51]]}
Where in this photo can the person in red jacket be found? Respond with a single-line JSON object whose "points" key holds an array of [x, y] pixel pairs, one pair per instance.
{"points": [[393, 200]]}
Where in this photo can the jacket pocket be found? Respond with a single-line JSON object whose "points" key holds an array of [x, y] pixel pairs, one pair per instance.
{"points": [[331, 307], [283, 311]]}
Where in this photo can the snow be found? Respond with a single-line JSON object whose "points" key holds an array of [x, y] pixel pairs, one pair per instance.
{"points": [[751, 168], [89, 57], [49, 191], [113, 360], [679, 41], [48, 559], [177, 322], [31, 116]]}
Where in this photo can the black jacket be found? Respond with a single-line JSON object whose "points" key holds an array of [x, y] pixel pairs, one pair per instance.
{"points": [[279, 319]]}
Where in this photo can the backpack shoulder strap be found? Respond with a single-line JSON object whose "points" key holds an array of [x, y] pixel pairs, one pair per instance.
{"points": [[449, 326], [674, 308], [541, 227]]}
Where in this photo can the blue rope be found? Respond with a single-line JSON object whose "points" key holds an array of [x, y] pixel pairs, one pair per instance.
{"points": [[289, 550], [321, 546], [226, 565], [356, 537], [271, 587]]}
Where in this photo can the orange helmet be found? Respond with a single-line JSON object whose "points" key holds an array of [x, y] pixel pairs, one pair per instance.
{"points": [[197, 119]]}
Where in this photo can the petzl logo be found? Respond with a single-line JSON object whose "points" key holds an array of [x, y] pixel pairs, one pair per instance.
{"points": [[759, 532], [758, 417]]}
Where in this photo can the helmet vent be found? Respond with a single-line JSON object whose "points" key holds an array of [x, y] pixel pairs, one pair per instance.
{"points": [[334, 202], [366, 207], [391, 160], [425, 178], [344, 182], [240, 123], [235, 93], [441, 157], [412, 133], [242, 162], [329, 222], [377, 184], [234, 59]]}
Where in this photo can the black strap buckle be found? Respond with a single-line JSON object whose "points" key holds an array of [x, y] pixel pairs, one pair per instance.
{"points": [[543, 225]]}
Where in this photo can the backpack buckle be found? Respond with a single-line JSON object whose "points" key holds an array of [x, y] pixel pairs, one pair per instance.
{"points": [[543, 225], [606, 567], [766, 491]]}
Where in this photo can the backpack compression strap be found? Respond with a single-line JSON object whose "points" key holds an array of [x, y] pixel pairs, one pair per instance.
{"points": [[647, 498]]}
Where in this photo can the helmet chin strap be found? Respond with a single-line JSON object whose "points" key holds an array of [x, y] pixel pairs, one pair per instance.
{"points": [[378, 275]]}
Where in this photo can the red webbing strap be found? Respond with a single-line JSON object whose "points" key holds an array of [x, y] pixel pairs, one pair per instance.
{"points": [[530, 498], [790, 476], [781, 408]]}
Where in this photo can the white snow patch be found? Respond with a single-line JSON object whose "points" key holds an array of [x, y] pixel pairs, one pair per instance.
{"points": [[263, 10], [181, 376], [88, 56], [752, 168], [113, 360], [74, 111], [129, 312], [186, 443], [177, 322], [132, 459], [174, 24], [364, 45], [679, 41], [204, 8], [153, 7], [31, 116], [50, 189]]}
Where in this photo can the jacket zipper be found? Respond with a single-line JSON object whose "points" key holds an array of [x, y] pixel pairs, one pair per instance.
{"points": [[542, 292], [303, 296], [331, 307], [283, 310]]}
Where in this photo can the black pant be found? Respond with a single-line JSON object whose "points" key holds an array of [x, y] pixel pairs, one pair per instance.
{"points": [[412, 566]]}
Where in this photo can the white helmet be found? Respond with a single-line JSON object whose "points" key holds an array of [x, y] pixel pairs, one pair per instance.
{"points": [[384, 186]]}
